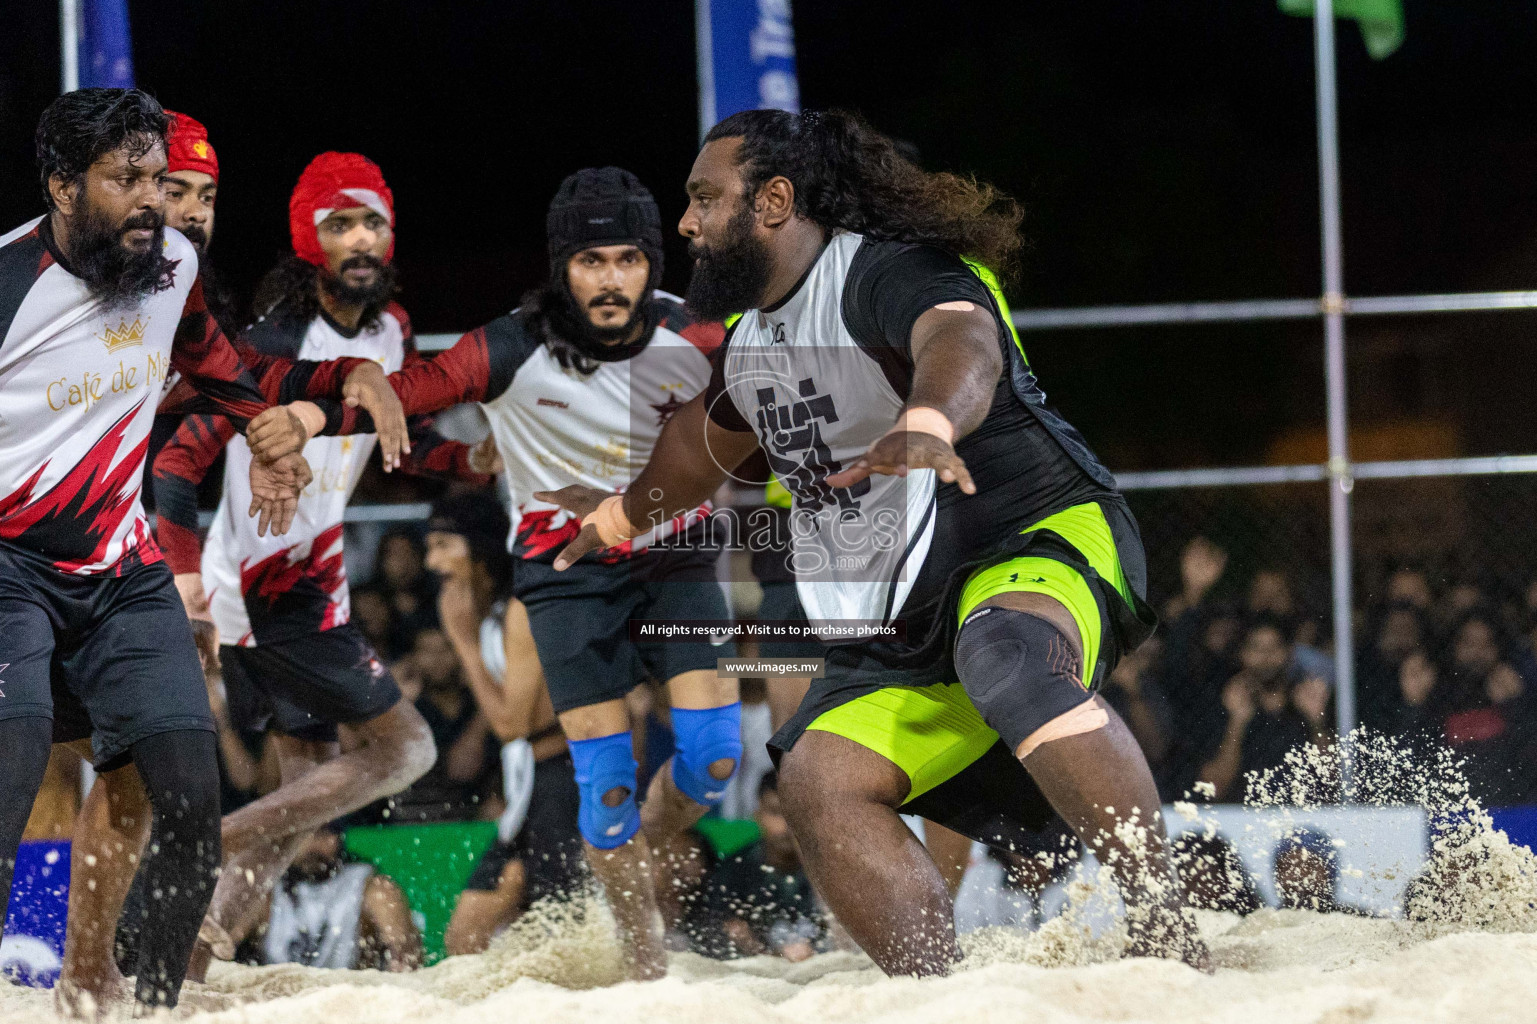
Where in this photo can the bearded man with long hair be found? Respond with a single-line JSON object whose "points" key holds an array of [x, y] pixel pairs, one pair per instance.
{"points": [[938, 500]]}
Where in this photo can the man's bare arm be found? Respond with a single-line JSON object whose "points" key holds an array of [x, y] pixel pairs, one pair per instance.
{"points": [[956, 365], [691, 460]]}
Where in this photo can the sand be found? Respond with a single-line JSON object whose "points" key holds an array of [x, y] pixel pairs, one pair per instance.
{"points": [[1471, 956], [1276, 966]]}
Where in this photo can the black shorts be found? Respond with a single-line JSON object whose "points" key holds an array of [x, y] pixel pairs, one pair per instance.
{"points": [[782, 604], [548, 844], [105, 657], [580, 620], [307, 686]]}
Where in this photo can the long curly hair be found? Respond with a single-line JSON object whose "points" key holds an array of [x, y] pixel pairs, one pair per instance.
{"points": [[848, 175]]}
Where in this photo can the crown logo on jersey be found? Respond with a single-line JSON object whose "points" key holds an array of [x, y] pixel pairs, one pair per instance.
{"points": [[124, 335]]}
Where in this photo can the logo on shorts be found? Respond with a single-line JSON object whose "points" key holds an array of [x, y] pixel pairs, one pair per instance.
{"points": [[3, 667]]}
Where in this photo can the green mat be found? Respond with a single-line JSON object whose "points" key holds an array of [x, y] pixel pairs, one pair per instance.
{"points": [[728, 836], [430, 863]]}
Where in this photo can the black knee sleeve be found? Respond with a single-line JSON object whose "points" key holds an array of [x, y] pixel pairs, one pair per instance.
{"points": [[181, 774], [26, 742], [1019, 670]]}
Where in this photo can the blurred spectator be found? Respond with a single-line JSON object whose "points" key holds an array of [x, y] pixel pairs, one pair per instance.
{"points": [[1409, 587], [1484, 708], [325, 912], [1212, 874], [1201, 565], [1137, 696], [1386, 681], [758, 901], [1458, 601], [371, 612], [1200, 631], [1307, 875], [401, 577], [1271, 595], [1267, 709], [467, 759]]}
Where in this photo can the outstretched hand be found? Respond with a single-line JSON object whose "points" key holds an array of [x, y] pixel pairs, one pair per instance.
{"points": [[275, 489], [903, 450], [368, 387], [580, 501]]}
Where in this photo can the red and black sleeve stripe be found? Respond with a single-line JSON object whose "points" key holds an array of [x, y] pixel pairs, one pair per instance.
{"points": [[179, 468], [208, 362]]}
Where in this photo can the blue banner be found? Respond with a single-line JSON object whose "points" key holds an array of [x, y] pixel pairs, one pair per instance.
{"points": [[33, 949], [106, 57], [746, 51]]}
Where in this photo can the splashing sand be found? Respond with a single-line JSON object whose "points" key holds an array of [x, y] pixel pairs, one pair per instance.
{"points": [[1466, 952]]}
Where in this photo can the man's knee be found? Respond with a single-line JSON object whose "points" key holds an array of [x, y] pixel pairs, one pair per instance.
{"points": [[709, 742], [403, 739], [608, 816], [1023, 673], [824, 773], [180, 772]]}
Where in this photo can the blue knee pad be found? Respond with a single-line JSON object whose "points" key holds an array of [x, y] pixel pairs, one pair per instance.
{"points": [[602, 764], [704, 736]]}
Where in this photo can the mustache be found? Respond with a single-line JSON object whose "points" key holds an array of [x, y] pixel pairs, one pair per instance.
{"points": [[610, 299], [149, 219], [195, 234], [362, 261]]}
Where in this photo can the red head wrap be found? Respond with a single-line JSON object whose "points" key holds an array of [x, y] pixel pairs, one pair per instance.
{"points": [[187, 147], [335, 181]]}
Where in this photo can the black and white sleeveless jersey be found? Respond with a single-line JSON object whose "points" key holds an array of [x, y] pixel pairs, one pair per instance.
{"points": [[824, 373]]}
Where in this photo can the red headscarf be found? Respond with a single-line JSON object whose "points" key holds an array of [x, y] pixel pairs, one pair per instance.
{"points": [[187, 147], [335, 181]]}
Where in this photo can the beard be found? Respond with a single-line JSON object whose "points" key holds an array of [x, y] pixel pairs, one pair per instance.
{"points": [[617, 333], [730, 276], [195, 234], [369, 296], [115, 274]]}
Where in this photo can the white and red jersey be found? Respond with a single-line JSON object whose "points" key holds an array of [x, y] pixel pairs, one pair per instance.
{"points": [[263, 589], [556, 426], [79, 382]]}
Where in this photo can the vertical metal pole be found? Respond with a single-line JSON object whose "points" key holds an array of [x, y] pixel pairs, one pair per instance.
{"points": [[1340, 480], [704, 58], [69, 46]]}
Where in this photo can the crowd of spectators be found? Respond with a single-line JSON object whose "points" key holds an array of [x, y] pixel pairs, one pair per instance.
{"points": [[1240, 674]]}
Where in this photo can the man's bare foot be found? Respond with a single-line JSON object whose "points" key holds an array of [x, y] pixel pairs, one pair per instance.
{"points": [[645, 960], [213, 942], [1169, 932], [90, 995]]}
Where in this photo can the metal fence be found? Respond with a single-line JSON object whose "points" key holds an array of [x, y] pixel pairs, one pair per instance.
{"points": [[1304, 511]]}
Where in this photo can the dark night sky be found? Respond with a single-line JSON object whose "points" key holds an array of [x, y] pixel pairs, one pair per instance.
{"points": [[1164, 150]]}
